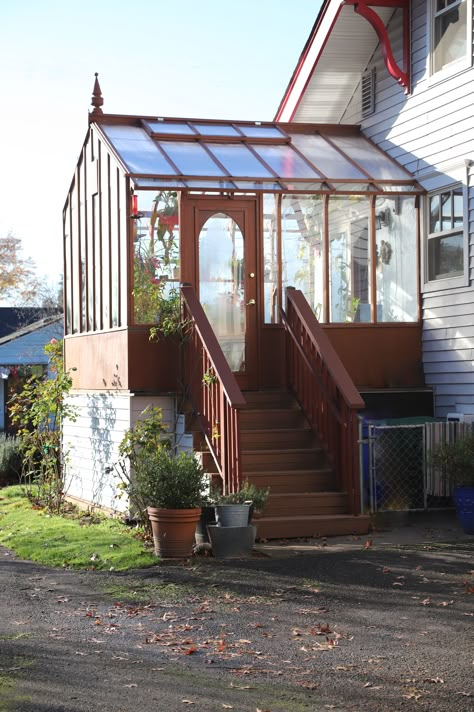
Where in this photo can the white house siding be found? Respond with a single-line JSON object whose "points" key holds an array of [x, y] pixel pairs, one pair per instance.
{"points": [[91, 442], [431, 133]]}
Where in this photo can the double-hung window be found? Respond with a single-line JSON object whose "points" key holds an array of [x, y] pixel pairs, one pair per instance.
{"points": [[446, 237], [449, 35]]}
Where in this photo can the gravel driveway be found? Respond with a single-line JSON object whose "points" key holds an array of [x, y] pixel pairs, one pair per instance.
{"points": [[348, 624]]}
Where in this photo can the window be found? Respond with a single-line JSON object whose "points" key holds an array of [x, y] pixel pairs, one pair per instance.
{"points": [[449, 33], [446, 235]]}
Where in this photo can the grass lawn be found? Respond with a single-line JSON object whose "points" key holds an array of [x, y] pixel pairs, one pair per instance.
{"points": [[78, 541]]}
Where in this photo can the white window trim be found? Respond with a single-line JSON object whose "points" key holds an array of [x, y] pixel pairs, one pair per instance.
{"points": [[438, 285], [457, 66]]}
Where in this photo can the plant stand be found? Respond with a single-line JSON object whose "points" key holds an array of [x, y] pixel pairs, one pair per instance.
{"points": [[173, 531], [228, 542], [208, 516]]}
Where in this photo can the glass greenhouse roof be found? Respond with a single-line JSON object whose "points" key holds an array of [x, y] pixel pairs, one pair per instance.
{"points": [[245, 156]]}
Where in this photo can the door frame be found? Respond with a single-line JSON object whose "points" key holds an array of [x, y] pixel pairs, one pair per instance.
{"points": [[195, 210]]}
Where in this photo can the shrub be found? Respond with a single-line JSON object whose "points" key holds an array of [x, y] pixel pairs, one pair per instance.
{"points": [[457, 460], [10, 459]]}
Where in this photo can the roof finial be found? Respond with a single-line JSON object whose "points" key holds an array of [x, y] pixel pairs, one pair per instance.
{"points": [[97, 99]]}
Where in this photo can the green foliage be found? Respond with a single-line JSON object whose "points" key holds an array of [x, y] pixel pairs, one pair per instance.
{"points": [[37, 413], [456, 459], [77, 541], [247, 493], [158, 477], [10, 460]]}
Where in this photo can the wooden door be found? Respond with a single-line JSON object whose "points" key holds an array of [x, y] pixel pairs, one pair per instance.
{"points": [[222, 266]]}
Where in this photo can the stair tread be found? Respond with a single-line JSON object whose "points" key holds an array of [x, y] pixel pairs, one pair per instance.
{"points": [[285, 450], [306, 493], [299, 517]]}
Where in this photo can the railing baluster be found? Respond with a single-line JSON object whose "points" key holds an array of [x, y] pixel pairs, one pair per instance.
{"points": [[325, 392], [216, 403]]}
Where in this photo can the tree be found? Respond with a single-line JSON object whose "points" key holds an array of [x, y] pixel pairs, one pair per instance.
{"points": [[18, 281]]}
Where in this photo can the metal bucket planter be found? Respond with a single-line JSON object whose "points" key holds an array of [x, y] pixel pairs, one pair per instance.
{"points": [[233, 515], [173, 531], [464, 501], [208, 516], [229, 542]]}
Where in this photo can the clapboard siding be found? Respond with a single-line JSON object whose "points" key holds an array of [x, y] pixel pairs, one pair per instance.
{"points": [[425, 131], [91, 442]]}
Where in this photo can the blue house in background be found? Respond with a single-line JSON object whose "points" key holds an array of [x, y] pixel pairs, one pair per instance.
{"points": [[21, 352]]}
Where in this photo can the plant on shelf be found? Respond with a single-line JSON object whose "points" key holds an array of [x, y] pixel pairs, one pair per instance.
{"points": [[456, 459], [165, 488]]}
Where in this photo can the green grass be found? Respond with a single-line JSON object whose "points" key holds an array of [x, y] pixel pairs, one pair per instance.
{"points": [[53, 540]]}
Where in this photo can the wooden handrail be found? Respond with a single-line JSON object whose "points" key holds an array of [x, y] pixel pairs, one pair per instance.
{"points": [[325, 391], [213, 391]]}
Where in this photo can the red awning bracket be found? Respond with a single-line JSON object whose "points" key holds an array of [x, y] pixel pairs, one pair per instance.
{"points": [[362, 8]]}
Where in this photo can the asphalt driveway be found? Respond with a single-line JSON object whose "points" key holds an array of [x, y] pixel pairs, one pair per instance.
{"points": [[374, 624]]}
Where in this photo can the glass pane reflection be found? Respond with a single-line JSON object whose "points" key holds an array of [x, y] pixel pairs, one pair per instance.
{"points": [[221, 285]]}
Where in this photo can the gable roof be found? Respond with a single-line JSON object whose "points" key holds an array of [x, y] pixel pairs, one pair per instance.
{"points": [[337, 52]]}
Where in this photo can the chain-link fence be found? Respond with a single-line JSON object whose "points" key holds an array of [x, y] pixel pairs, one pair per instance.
{"points": [[395, 464]]}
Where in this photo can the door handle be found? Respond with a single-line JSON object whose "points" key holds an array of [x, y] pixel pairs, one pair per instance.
{"points": [[250, 303]]}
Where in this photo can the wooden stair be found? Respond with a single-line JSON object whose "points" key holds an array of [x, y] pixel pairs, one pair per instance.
{"points": [[280, 451]]}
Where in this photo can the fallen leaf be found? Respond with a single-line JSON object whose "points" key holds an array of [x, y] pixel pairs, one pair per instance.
{"points": [[188, 702]]}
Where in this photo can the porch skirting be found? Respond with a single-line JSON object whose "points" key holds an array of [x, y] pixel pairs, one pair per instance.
{"points": [[91, 442]]}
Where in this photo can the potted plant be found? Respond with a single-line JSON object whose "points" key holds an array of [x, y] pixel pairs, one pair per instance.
{"points": [[456, 458], [165, 487], [237, 508]]}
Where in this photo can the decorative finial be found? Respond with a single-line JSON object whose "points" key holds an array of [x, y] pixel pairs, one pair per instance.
{"points": [[97, 99]]}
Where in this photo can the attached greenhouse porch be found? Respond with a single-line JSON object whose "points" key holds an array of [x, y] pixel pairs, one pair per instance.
{"points": [[290, 252]]}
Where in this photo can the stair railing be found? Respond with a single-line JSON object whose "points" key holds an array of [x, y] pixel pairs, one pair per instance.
{"points": [[325, 391], [213, 391]]}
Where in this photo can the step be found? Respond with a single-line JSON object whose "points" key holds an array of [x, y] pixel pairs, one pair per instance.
{"points": [[290, 481], [311, 526], [265, 418], [274, 460], [305, 503], [270, 399], [269, 439]]}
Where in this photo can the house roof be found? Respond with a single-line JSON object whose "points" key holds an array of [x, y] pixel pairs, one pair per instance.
{"points": [[337, 52], [14, 318], [26, 345], [197, 154]]}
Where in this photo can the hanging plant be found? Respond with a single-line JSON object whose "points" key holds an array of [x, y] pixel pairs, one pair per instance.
{"points": [[385, 252]]}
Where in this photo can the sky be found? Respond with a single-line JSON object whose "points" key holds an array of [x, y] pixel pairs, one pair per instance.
{"points": [[182, 58]]}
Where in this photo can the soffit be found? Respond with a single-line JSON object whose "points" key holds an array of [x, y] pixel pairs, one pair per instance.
{"points": [[335, 72]]}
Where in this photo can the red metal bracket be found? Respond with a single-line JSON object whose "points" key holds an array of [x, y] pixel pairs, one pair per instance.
{"points": [[362, 8]]}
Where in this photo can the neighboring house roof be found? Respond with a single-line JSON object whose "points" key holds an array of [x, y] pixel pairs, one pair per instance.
{"points": [[26, 345], [329, 69], [14, 318]]}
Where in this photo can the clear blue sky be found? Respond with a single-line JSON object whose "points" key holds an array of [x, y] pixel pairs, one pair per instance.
{"points": [[208, 59]]}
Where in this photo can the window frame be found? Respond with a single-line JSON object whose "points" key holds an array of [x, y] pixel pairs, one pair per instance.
{"points": [[458, 65], [443, 283]]}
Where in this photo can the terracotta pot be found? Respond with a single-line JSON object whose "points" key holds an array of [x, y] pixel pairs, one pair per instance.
{"points": [[173, 531]]}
